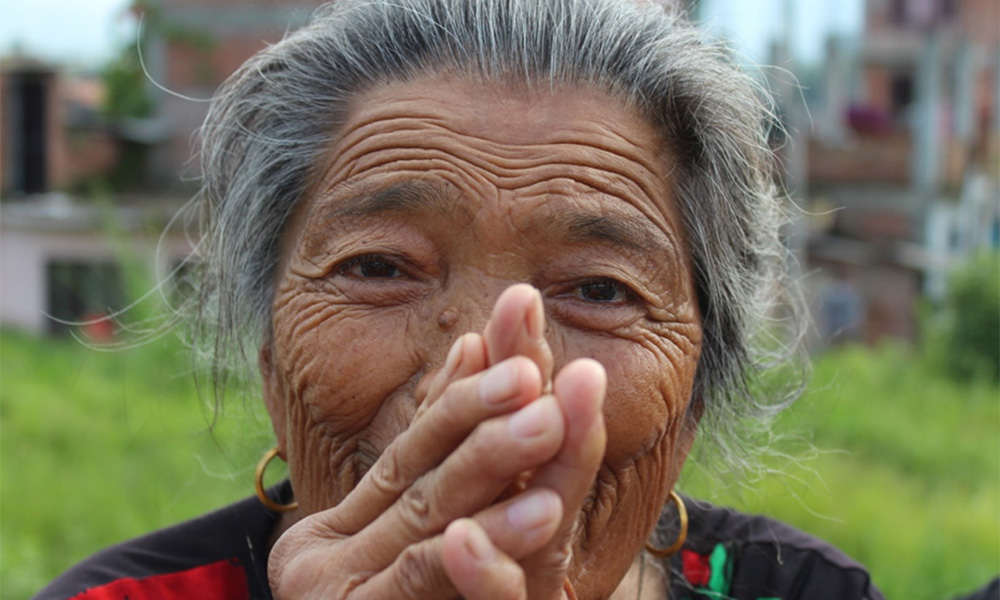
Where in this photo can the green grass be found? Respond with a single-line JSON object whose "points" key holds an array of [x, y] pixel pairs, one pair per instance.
{"points": [[906, 477], [99, 447]]}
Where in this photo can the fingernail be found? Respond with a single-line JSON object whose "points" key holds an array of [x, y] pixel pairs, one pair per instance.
{"points": [[454, 357], [527, 422], [499, 383], [479, 545], [536, 317], [530, 512]]}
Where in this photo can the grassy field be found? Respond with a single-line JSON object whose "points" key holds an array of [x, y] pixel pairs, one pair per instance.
{"points": [[906, 473], [99, 447]]}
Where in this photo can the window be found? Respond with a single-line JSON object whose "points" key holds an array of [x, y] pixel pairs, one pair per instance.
{"points": [[81, 291]]}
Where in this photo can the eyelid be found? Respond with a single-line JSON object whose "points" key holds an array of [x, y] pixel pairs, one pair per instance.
{"points": [[352, 261], [357, 259], [572, 288], [630, 295]]}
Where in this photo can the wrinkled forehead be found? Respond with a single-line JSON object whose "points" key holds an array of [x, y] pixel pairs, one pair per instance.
{"points": [[568, 141], [507, 110]]}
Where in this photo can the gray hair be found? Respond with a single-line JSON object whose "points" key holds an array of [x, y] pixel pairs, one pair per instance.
{"points": [[272, 121]]}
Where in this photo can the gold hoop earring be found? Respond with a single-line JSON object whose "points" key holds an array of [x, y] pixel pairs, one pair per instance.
{"points": [[672, 549], [258, 481]]}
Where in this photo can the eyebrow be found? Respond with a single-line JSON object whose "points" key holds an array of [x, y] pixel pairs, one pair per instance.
{"points": [[610, 228], [414, 197], [408, 197]]}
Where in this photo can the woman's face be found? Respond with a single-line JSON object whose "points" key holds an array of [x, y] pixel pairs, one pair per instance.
{"points": [[440, 193]]}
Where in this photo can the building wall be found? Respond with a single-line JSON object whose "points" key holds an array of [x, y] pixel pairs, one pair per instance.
{"points": [[73, 153], [980, 20], [217, 36], [25, 254], [911, 175], [78, 153]]}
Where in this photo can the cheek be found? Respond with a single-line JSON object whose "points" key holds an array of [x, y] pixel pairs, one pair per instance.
{"points": [[649, 388], [338, 362], [635, 414]]}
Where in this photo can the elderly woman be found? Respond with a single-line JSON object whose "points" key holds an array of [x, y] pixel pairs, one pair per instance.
{"points": [[498, 261]]}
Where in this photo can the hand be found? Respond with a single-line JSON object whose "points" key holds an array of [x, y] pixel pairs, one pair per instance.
{"points": [[446, 510]]}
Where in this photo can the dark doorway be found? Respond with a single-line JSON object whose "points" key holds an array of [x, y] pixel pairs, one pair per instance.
{"points": [[30, 105]]}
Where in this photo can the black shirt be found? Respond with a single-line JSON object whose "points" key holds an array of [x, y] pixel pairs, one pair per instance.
{"points": [[729, 554]]}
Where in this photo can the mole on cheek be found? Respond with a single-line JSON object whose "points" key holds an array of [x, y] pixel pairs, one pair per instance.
{"points": [[447, 319]]}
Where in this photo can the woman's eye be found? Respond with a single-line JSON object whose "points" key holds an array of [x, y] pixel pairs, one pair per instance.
{"points": [[603, 290], [371, 267]]}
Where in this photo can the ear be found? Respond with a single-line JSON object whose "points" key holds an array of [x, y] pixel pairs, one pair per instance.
{"points": [[274, 398]]}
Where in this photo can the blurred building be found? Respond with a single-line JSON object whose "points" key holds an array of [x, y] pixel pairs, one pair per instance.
{"points": [[50, 134], [56, 254], [190, 48], [66, 242], [902, 162]]}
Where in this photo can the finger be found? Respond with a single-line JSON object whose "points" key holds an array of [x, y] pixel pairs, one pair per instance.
{"points": [[523, 524], [478, 556], [470, 479], [476, 567], [463, 561], [580, 388], [466, 357], [427, 442], [418, 573], [517, 327]]}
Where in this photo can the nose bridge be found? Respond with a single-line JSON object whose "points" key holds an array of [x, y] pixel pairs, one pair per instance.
{"points": [[496, 263]]}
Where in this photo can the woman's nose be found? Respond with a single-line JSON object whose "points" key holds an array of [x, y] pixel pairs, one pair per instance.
{"points": [[510, 320], [507, 324], [467, 305]]}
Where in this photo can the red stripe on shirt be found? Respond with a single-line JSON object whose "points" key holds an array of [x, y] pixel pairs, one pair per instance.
{"points": [[223, 580]]}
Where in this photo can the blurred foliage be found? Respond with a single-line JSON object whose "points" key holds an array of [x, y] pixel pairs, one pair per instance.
{"points": [[125, 84], [964, 333], [99, 447], [126, 92], [974, 303], [892, 461]]}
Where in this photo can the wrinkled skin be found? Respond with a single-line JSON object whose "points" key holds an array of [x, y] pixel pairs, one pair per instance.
{"points": [[529, 457]]}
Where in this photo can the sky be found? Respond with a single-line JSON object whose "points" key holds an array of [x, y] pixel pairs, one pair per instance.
{"points": [[752, 24], [76, 32], [85, 33]]}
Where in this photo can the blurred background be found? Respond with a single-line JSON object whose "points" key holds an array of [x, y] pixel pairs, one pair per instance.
{"points": [[892, 153]]}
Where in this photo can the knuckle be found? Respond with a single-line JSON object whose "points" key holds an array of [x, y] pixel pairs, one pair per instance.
{"points": [[418, 572], [560, 557], [388, 474], [448, 424], [496, 453], [416, 511], [296, 577]]}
